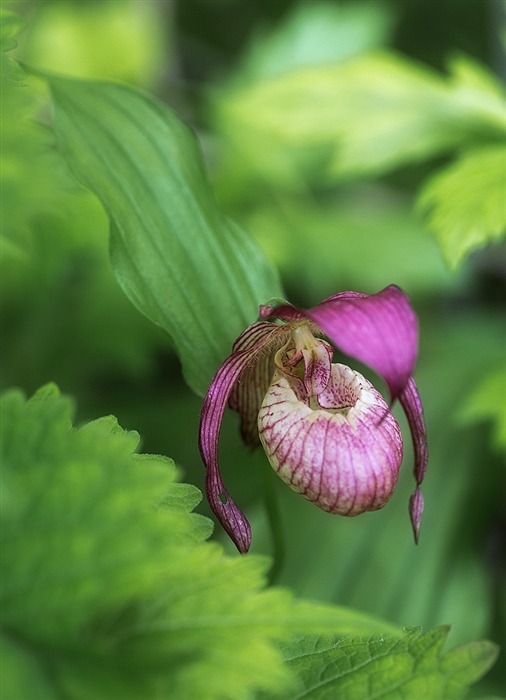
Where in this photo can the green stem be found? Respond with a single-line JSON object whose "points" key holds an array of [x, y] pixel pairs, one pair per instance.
{"points": [[274, 520]]}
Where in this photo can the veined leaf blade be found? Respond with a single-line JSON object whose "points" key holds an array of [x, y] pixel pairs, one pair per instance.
{"points": [[361, 668], [178, 259]]}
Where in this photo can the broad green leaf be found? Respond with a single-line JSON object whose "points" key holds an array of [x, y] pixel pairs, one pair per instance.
{"points": [[179, 260], [108, 587], [487, 402], [410, 668], [364, 116], [467, 202]]}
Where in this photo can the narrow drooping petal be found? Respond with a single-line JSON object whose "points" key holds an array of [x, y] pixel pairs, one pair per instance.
{"points": [[345, 457], [380, 330], [416, 505], [233, 520], [412, 405]]}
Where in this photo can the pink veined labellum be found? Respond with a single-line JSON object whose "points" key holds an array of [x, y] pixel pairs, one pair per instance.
{"points": [[325, 429]]}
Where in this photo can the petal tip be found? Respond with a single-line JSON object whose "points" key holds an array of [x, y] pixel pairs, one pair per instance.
{"points": [[230, 516], [416, 506]]}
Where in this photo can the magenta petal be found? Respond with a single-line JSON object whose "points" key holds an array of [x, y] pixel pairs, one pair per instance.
{"points": [[412, 405], [380, 330], [230, 516]]}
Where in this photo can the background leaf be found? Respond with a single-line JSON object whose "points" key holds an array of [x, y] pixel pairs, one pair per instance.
{"points": [[487, 402], [467, 202], [363, 116], [185, 266]]}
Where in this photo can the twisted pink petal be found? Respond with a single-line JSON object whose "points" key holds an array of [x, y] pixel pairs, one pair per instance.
{"points": [[254, 341], [412, 405]]}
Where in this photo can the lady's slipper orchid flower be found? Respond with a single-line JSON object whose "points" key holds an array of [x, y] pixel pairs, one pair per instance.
{"points": [[325, 429]]}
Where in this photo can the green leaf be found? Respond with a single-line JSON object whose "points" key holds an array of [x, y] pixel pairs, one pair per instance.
{"points": [[179, 260], [467, 202], [108, 587], [359, 117], [409, 668], [487, 402]]}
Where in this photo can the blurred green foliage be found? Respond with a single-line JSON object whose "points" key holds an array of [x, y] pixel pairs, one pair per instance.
{"points": [[109, 589], [123, 40], [321, 148]]}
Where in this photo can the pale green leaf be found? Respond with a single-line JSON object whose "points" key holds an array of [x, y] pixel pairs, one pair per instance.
{"points": [[479, 93], [467, 202], [363, 116], [488, 402], [179, 260], [410, 668], [108, 587]]}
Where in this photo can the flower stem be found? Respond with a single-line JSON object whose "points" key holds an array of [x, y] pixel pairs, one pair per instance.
{"points": [[274, 520]]}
